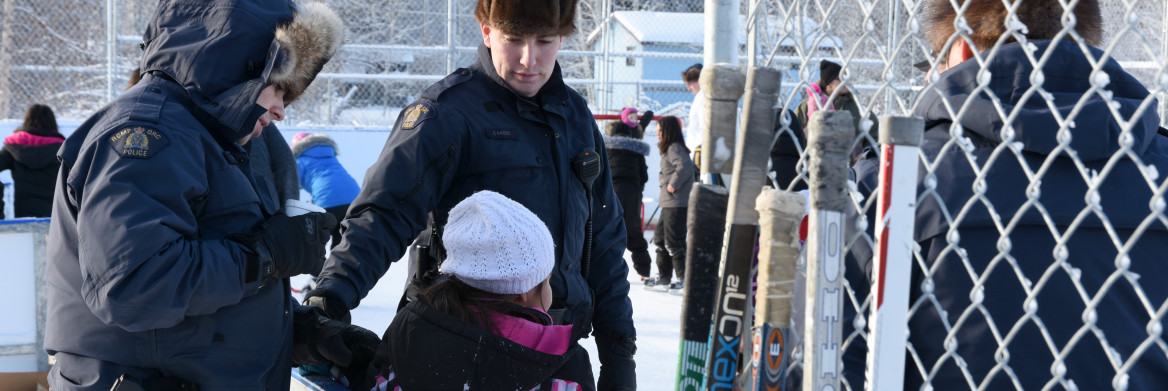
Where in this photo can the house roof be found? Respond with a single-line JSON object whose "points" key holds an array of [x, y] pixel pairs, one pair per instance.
{"points": [[650, 27]]}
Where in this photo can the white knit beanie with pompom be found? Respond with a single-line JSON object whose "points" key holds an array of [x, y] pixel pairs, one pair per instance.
{"points": [[496, 244]]}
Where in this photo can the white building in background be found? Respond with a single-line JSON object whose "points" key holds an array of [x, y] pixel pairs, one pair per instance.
{"points": [[669, 42]]}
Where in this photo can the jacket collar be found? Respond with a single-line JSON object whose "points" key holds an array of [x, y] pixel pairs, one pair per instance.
{"points": [[552, 97]]}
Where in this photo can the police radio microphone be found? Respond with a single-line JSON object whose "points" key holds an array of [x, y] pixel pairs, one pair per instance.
{"points": [[587, 167]]}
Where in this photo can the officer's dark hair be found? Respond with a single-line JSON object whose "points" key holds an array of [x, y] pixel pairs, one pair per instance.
{"points": [[669, 132], [691, 74], [987, 20], [39, 120], [473, 305]]}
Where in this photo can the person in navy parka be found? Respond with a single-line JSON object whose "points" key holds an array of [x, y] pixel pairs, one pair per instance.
{"points": [[1043, 228], [166, 268], [323, 176], [509, 124]]}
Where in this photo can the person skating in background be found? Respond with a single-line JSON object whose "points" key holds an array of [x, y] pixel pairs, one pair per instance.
{"points": [[30, 153], [626, 160], [697, 112], [323, 176], [507, 123], [485, 326], [829, 93], [166, 269], [676, 178]]}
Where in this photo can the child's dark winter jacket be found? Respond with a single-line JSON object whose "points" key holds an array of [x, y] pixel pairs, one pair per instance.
{"points": [[426, 349], [626, 159], [321, 174], [33, 161]]}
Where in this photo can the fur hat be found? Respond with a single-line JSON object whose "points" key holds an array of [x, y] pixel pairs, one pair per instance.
{"points": [[495, 244], [306, 44], [526, 17], [828, 72]]}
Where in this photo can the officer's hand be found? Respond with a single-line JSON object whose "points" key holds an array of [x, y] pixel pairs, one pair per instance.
{"points": [[330, 302], [618, 371], [290, 246], [317, 339]]}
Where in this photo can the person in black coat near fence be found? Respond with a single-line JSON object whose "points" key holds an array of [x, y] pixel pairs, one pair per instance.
{"points": [[31, 153], [626, 160]]}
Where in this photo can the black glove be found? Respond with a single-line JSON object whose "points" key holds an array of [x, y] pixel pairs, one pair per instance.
{"points": [[317, 339], [618, 371], [289, 246], [644, 122], [332, 305]]}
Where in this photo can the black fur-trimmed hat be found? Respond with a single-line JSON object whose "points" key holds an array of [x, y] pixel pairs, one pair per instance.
{"points": [[306, 44], [528, 17]]}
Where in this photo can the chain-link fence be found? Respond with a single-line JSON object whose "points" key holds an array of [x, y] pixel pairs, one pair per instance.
{"points": [[1040, 214]]}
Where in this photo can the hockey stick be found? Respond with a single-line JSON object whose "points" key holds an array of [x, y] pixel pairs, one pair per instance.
{"points": [[830, 139], [780, 213], [900, 138], [732, 304]]}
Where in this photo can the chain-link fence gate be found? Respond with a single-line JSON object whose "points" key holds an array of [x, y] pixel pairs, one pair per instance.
{"points": [[1028, 252]]}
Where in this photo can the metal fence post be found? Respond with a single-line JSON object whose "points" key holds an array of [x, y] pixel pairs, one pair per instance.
{"points": [[111, 49]]}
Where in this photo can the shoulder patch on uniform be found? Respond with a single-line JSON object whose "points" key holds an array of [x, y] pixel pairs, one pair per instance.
{"points": [[138, 142], [416, 114]]}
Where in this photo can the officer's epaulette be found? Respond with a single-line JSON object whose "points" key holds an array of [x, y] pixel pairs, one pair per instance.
{"points": [[458, 77], [142, 139]]}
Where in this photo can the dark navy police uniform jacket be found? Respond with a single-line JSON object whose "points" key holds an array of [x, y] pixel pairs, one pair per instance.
{"points": [[142, 277], [1020, 271], [471, 132]]}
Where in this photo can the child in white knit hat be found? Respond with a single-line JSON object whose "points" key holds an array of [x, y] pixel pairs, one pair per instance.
{"points": [[485, 326]]}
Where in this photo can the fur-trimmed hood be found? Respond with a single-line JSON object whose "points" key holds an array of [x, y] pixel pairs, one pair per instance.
{"points": [[306, 44], [314, 140], [224, 52], [626, 143]]}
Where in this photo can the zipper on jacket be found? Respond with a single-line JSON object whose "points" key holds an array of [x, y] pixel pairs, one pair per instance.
{"points": [[440, 159]]}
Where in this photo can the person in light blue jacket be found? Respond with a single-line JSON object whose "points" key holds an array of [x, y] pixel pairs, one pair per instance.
{"points": [[323, 176]]}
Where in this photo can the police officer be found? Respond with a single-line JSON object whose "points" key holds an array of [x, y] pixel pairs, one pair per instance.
{"points": [[167, 270], [509, 124]]}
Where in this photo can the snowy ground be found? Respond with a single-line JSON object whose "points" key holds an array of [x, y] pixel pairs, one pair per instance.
{"points": [[657, 316]]}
